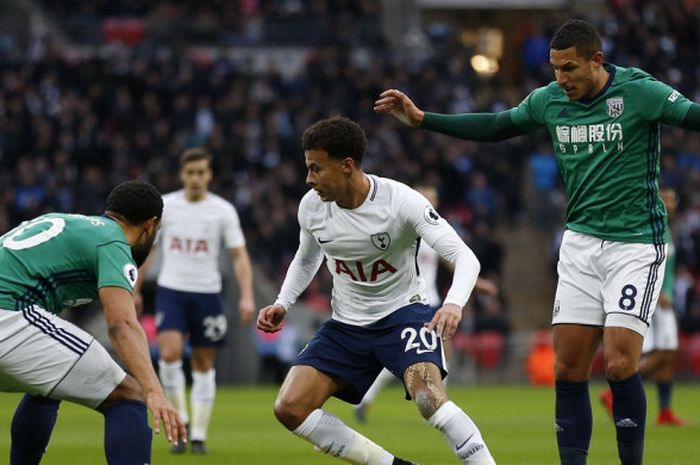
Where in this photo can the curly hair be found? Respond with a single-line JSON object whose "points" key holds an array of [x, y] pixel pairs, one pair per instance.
{"points": [[338, 136], [135, 201], [580, 34]]}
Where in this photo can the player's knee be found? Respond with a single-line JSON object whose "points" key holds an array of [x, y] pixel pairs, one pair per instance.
{"points": [[565, 371], [428, 401], [620, 367], [128, 389], [290, 414], [169, 355]]}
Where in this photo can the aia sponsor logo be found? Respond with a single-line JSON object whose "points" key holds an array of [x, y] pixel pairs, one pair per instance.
{"points": [[358, 272]]}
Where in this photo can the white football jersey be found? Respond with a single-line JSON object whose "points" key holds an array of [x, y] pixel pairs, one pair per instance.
{"points": [[428, 264], [191, 237], [371, 252]]}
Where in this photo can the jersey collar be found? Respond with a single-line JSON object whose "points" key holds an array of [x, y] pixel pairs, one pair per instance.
{"points": [[611, 70]]}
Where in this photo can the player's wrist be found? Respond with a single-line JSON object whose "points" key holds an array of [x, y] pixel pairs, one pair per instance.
{"points": [[284, 305]]}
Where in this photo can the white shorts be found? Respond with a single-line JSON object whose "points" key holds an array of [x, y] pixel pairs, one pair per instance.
{"points": [[662, 333], [45, 355], [605, 283]]}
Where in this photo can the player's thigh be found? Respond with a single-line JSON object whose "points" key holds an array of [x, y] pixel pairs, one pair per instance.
{"points": [[307, 388], [48, 356], [343, 352], [423, 382], [206, 320], [634, 274], [171, 311], [622, 349], [405, 342], [575, 346], [578, 297]]}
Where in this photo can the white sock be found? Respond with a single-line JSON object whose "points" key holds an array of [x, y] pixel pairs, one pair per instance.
{"points": [[173, 379], [385, 377], [202, 401], [333, 437], [462, 435]]}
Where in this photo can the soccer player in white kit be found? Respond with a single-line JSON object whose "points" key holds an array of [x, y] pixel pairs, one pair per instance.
{"points": [[196, 225], [368, 228], [428, 261]]}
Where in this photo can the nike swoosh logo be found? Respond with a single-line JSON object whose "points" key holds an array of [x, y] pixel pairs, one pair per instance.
{"points": [[321, 241], [425, 351], [465, 441]]}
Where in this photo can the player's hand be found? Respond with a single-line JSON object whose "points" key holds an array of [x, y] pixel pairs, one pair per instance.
{"points": [[246, 309], [270, 318], [445, 321], [163, 411], [664, 301], [398, 105]]}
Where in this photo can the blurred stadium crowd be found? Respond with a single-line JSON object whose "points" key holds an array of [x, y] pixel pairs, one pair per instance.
{"points": [[72, 125]]}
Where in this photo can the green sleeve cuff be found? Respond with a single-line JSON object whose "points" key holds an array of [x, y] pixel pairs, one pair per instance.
{"points": [[692, 118]]}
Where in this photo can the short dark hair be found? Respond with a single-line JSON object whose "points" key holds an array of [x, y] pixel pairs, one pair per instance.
{"points": [[580, 34], [338, 136], [135, 201], [195, 154]]}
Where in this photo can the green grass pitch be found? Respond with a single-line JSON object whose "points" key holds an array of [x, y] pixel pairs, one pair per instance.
{"points": [[517, 423]]}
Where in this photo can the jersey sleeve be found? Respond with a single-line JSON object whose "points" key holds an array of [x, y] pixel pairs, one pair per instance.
{"points": [[232, 232], [529, 114], [115, 267], [663, 103], [305, 264], [417, 213]]}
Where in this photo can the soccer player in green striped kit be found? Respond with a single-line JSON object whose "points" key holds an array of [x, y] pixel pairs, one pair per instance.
{"points": [[604, 123], [61, 260]]}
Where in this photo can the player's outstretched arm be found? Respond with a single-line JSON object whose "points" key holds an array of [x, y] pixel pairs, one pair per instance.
{"points": [[398, 105], [270, 318], [482, 127], [131, 345]]}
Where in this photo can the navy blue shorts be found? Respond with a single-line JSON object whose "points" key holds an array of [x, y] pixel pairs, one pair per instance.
{"points": [[199, 315], [357, 353]]}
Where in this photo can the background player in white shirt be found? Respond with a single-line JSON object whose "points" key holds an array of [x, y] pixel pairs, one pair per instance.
{"points": [[196, 224], [367, 228], [428, 264]]}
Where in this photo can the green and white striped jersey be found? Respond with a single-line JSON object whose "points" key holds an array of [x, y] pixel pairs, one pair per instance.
{"points": [[60, 260], [608, 152]]}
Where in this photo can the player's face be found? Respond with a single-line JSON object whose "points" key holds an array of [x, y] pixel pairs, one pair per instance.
{"points": [[326, 175], [576, 75], [195, 177]]}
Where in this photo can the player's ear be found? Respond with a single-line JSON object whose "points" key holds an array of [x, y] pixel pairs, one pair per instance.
{"points": [[151, 224], [348, 166]]}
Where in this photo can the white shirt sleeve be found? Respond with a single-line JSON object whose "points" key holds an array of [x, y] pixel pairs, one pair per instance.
{"points": [[467, 267], [231, 229], [418, 213], [303, 268]]}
